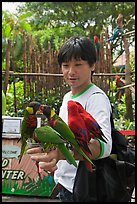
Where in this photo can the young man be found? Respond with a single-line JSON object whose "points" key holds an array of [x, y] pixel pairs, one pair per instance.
{"points": [[77, 58]]}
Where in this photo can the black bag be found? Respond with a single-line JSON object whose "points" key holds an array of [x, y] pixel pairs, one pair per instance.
{"points": [[112, 180]]}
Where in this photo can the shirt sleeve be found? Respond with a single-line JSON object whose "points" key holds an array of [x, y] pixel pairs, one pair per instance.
{"points": [[98, 105]]}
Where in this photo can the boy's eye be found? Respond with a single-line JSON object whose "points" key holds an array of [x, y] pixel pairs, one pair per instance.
{"points": [[65, 65], [78, 64]]}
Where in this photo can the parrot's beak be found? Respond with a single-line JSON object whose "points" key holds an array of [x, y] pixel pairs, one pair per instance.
{"points": [[41, 108], [35, 138]]}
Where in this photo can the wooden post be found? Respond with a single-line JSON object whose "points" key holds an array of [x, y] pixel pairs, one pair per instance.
{"points": [[6, 81], [128, 96], [25, 64], [14, 79]]}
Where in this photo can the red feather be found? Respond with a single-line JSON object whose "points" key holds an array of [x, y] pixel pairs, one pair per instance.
{"points": [[94, 130], [95, 39], [31, 121], [119, 82], [78, 127]]}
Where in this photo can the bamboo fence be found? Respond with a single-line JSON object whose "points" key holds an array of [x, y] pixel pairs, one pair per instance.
{"points": [[42, 73]]}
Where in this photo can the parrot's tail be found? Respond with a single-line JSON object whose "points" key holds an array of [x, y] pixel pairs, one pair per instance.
{"points": [[84, 155], [68, 155], [88, 165], [20, 157], [22, 152]]}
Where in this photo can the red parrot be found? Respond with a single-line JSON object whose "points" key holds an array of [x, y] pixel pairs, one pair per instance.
{"points": [[78, 127], [84, 126], [97, 44], [94, 130], [119, 83]]}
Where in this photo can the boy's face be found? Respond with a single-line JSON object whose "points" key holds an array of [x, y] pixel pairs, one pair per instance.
{"points": [[77, 73]]}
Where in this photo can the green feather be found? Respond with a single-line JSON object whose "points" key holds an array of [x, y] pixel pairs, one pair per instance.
{"points": [[27, 132], [24, 135], [48, 138], [62, 128]]}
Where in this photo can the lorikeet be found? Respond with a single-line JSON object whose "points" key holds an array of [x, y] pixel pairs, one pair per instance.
{"points": [[97, 44], [93, 128], [84, 126], [120, 92], [48, 138], [123, 69], [62, 128], [116, 33], [29, 123], [78, 127]]}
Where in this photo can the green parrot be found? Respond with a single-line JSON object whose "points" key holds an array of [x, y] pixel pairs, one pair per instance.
{"points": [[50, 138], [62, 128], [28, 125]]}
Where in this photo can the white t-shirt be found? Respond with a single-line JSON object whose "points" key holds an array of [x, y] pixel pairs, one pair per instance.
{"points": [[98, 105]]}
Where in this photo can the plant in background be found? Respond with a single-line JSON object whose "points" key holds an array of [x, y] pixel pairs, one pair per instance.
{"points": [[10, 109], [3, 103]]}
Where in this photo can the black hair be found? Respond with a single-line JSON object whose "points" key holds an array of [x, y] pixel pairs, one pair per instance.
{"points": [[77, 48]]}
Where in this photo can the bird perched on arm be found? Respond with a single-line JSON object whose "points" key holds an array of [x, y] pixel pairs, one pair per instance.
{"points": [[84, 126], [49, 138], [97, 44], [93, 128], [28, 125], [62, 128]]}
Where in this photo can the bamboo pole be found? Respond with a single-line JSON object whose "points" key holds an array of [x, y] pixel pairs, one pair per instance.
{"points": [[128, 97], [6, 81], [60, 75], [25, 63]]}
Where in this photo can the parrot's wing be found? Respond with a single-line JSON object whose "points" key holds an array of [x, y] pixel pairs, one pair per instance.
{"points": [[48, 136], [121, 83]]}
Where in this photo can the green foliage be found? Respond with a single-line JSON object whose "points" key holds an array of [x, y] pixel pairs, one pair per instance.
{"points": [[56, 36], [119, 109], [121, 124], [18, 47], [52, 99], [90, 15], [10, 99], [132, 64]]}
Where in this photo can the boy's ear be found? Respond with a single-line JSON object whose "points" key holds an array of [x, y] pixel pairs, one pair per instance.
{"points": [[93, 68]]}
